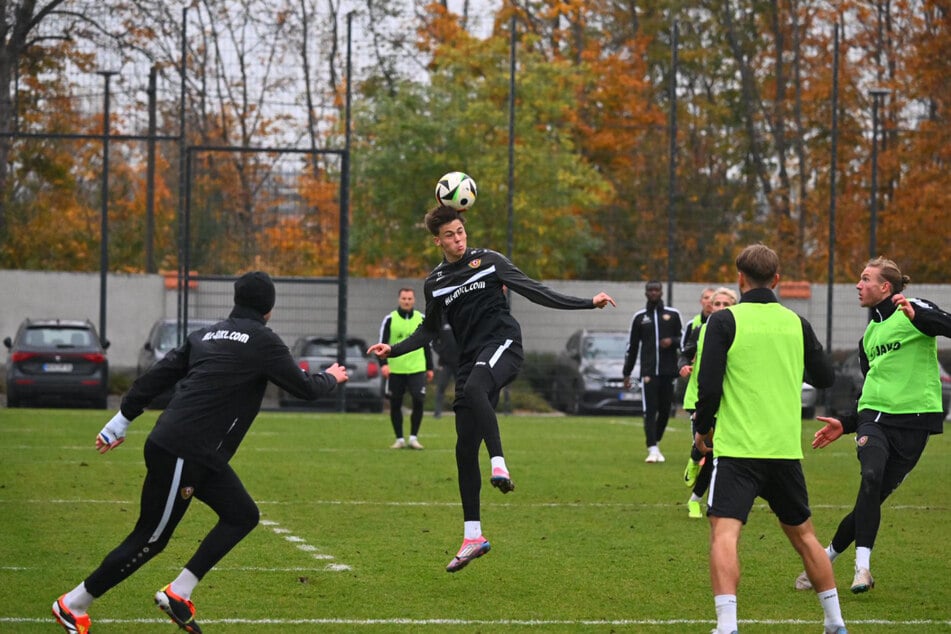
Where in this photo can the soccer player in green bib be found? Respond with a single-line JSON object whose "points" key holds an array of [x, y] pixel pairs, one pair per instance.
{"points": [[753, 360], [409, 373], [898, 410]]}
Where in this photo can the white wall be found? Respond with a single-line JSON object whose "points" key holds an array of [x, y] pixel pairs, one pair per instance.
{"points": [[135, 301]]}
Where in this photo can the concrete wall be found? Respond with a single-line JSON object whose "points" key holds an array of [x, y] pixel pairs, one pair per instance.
{"points": [[308, 307]]}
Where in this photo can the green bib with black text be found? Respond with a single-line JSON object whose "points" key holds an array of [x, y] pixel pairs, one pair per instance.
{"points": [[902, 368]]}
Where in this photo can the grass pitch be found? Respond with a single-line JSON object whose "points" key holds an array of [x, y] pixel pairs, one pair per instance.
{"points": [[356, 536]]}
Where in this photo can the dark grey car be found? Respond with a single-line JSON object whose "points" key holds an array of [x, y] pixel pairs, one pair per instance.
{"points": [[57, 361], [588, 378], [364, 388]]}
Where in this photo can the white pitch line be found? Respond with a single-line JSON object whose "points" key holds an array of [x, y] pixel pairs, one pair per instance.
{"points": [[554, 505], [303, 545], [497, 623]]}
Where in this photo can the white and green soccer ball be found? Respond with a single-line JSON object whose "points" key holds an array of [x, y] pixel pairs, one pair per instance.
{"points": [[456, 190]]}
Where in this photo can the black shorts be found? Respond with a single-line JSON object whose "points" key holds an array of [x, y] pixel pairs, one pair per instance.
{"points": [[399, 384], [902, 447], [737, 482], [500, 360]]}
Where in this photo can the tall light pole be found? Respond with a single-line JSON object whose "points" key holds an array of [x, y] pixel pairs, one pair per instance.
{"points": [[104, 213], [877, 94]]}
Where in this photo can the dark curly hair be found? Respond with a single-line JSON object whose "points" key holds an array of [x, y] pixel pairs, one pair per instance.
{"points": [[440, 216]]}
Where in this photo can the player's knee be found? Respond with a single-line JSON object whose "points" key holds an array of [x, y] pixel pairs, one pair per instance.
{"points": [[871, 478], [249, 518], [243, 517]]}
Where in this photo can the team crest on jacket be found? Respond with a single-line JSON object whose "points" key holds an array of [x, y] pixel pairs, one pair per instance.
{"points": [[861, 441], [187, 492], [666, 317], [474, 264]]}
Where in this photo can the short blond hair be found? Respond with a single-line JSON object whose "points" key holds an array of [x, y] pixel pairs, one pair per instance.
{"points": [[723, 290]]}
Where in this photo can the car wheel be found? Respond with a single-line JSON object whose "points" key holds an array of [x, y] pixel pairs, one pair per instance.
{"points": [[573, 400], [13, 401]]}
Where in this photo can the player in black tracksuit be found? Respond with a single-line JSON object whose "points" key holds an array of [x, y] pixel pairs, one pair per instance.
{"points": [[656, 331], [468, 288], [220, 375]]}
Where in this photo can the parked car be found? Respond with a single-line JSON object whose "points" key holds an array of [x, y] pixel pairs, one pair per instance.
{"points": [[364, 388], [849, 380], [587, 377], [164, 336], [57, 361]]}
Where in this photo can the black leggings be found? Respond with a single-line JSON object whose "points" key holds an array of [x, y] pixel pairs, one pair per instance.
{"points": [[169, 486], [658, 394], [478, 385], [396, 386], [886, 456]]}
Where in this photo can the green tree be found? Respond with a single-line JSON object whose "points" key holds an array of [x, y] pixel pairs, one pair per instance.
{"points": [[406, 139]]}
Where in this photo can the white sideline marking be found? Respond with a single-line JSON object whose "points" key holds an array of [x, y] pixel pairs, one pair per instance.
{"points": [[303, 546], [498, 622]]}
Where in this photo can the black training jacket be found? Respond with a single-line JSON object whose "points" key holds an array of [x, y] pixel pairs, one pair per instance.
{"points": [[469, 293], [648, 326], [220, 374]]}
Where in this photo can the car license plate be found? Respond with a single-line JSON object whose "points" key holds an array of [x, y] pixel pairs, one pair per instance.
{"points": [[57, 367], [627, 396]]}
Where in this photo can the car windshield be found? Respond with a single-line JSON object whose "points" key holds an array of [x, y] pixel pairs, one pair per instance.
{"points": [[59, 337], [608, 346]]}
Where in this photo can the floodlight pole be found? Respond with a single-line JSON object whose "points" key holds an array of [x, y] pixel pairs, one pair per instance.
{"points": [[672, 165], [343, 270], [104, 219], [878, 94]]}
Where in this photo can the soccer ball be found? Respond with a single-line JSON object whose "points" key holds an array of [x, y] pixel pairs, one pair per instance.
{"points": [[456, 190]]}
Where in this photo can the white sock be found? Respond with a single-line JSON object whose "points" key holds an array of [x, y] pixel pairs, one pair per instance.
{"points": [[695, 498], [829, 600], [832, 553], [185, 584], [726, 613], [863, 556], [78, 599], [473, 530], [412, 438], [498, 462], [653, 449]]}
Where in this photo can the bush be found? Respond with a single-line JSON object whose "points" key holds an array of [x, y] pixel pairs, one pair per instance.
{"points": [[120, 381], [538, 372]]}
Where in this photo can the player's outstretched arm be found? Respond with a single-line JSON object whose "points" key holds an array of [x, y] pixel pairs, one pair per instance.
{"points": [[602, 299], [828, 434], [381, 350]]}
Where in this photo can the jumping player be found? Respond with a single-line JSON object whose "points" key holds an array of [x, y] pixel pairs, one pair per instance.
{"points": [[468, 287]]}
